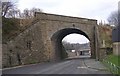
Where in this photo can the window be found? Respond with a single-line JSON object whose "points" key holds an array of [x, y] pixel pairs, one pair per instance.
{"points": [[29, 45]]}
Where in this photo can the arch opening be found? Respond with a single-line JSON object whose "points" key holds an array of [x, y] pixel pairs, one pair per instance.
{"points": [[57, 44], [76, 46]]}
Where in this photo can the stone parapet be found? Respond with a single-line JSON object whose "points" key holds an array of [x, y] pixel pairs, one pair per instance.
{"points": [[53, 17]]}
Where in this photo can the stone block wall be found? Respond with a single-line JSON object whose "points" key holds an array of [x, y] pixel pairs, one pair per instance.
{"points": [[116, 48], [102, 53], [26, 48]]}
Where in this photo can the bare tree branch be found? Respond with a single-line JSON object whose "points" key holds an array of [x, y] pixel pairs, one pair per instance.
{"points": [[6, 6], [113, 18]]}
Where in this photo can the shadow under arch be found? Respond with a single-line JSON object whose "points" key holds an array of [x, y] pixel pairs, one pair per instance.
{"points": [[57, 37]]}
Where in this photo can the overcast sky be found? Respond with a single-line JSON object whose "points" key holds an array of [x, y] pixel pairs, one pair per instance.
{"points": [[76, 38], [93, 9]]}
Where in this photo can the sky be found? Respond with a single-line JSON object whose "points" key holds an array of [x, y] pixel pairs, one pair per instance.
{"points": [[95, 9], [92, 9], [76, 38]]}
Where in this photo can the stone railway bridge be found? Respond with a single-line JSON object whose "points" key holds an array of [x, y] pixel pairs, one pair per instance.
{"points": [[42, 41]]}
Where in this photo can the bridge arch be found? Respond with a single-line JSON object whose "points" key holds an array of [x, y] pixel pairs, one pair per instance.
{"points": [[54, 28], [57, 37]]}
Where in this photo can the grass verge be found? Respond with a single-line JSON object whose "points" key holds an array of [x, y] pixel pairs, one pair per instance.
{"points": [[113, 63]]}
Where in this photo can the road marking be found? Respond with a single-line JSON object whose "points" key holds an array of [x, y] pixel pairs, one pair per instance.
{"points": [[82, 67]]}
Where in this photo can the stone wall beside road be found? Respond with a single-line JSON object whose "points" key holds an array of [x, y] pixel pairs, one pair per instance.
{"points": [[116, 48]]}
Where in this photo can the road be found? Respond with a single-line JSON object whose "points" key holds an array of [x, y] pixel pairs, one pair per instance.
{"points": [[72, 66]]}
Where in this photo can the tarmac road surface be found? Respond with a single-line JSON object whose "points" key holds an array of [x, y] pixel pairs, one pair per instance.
{"points": [[72, 66]]}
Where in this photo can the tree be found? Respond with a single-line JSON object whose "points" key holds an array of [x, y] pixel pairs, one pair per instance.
{"points": [[26, 13], [33, 10], [13, 13], [30, 13], [27, 17], [113, 18], [6, 6]]}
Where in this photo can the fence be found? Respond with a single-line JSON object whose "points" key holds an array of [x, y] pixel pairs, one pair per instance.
{"points": [[112, 67]]}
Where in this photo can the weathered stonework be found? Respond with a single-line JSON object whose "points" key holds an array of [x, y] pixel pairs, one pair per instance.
{"points": [[25, 49], [102, 53], [116, 48], [41, 42]]}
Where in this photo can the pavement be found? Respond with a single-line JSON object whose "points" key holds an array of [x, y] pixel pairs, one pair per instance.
{"points": [[72, 66], [92, 63]]}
